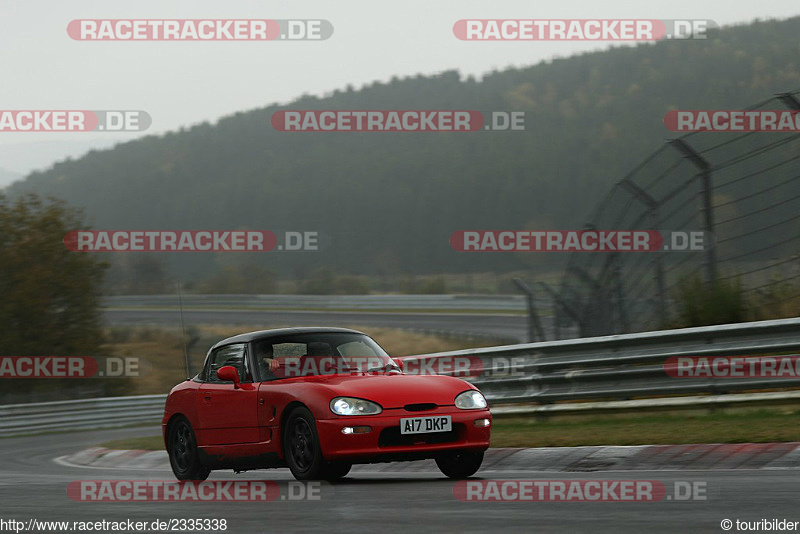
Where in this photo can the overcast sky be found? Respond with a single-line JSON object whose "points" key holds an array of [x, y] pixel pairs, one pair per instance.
{"points": [[183, 83]]}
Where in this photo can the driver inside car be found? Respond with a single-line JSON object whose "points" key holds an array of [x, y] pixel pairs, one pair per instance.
{"points": [[266, 360]]}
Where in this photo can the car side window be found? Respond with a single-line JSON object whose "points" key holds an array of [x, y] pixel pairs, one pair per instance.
{"points": [[233, 355], [285, 350], [282, 354]]}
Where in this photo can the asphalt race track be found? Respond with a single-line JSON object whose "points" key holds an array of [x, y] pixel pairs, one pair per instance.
{"points": [[506, 326], [33, 485], [411, 497]]}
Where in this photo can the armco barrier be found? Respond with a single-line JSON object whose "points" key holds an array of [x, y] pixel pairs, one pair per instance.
{"points": [[603, 373], [107, 412], [626, 366], [507, 303]]}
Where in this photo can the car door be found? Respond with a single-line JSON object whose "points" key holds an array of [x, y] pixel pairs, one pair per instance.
{"points": [[228, 415], [271, 397]]}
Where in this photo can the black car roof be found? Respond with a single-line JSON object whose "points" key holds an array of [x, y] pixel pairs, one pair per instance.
{"points": [[264, 334]]}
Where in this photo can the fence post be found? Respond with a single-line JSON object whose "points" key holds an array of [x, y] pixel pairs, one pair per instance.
{"points": [[534, 326], [707, 208], [560, 306], [658, 264]]}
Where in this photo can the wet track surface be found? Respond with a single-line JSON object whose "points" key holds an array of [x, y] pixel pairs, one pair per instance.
{"points": [[32, 485]]}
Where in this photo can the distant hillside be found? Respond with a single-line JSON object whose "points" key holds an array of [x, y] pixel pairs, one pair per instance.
{"points": [[389, 201], [6, 177]]}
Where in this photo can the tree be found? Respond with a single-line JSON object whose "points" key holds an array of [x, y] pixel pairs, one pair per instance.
{"points": [[701, 304], [246, 278], [49, 296], [137, 274]]}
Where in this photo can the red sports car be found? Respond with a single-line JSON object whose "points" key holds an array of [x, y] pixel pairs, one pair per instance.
{"points": [[319, 400]]}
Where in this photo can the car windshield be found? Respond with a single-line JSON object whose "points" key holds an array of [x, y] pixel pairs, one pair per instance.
{"points": [[319, 353]]}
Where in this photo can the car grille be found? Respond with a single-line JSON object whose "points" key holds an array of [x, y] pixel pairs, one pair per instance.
{"points": [[391, 437], [420, 407]]}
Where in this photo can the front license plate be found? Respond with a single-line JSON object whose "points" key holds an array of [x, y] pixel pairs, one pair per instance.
{"points": [[424, 425]]}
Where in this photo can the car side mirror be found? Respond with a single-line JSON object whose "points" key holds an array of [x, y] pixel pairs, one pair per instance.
{"points": [[399, 364], [229, 373]]}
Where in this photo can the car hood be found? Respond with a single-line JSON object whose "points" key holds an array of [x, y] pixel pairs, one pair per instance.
{"points": [[394, 390]]}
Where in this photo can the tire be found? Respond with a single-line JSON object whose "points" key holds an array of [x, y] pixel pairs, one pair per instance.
{"points": [[336, 470], [301, 446], [184, 457], [460, 464]]}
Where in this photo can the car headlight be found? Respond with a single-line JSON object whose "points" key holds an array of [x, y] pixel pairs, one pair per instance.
{"points": [[351, 406], [471, 400]]}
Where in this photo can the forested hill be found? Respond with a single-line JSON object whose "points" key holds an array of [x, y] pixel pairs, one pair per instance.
{"points": [[389, 201]]}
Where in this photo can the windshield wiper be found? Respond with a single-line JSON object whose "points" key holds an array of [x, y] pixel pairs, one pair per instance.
{"points": [[384, 367]]}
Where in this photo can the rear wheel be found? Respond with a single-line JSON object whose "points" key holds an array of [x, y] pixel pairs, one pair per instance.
{"points": [[301, 446], [184, 457], [460, 464]]}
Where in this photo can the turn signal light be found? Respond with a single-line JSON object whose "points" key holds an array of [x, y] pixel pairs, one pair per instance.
{"points": [[357, 430]]}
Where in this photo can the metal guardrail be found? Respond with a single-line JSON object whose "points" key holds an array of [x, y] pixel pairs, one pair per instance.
{"points": [[505, 303], [88, 414], [626, 366], [593, 374]]}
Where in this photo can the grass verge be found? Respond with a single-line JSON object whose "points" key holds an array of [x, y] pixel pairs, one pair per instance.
{"points": [[161, 360], [399, 311], [750, 427]]}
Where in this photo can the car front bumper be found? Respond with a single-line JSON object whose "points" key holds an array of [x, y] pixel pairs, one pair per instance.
{"points": [[384, 442]]}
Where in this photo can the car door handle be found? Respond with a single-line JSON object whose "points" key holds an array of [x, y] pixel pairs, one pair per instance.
{"points": [[261, 401], [207, 398]]}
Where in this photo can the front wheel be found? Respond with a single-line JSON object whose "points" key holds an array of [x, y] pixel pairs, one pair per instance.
{"points": [[301, 446], [460, 464], [184, 457], [336, 470]]}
